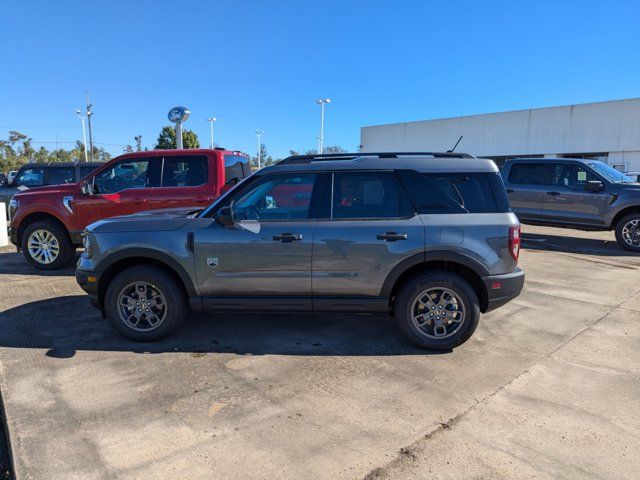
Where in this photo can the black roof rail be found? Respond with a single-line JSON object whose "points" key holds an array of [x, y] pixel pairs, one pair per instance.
{"points": [[351, 156]]}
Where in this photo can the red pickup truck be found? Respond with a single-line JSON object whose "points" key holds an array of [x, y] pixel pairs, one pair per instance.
{"points": [[47, 222]]}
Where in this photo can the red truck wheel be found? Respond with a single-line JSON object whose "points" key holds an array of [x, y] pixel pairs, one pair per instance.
{"points": [[46, 245]]}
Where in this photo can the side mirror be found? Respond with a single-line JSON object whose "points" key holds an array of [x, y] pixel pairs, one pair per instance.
{"points": [[593, 186], [86, 187], [225, 216]]}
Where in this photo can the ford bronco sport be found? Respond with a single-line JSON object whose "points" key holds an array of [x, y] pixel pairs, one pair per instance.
{"points": [[429, 238], [46, 222]]}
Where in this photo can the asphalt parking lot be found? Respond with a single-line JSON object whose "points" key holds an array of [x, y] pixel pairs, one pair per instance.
{"points": [[548, 387]]}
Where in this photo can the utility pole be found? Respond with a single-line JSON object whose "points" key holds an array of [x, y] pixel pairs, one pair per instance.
{"points": [[322, 102], [89, 113], [84, 135], [211, 120], [259, 135]]}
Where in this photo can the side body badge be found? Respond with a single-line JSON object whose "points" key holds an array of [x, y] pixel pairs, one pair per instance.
{"points": [[212, 261]]}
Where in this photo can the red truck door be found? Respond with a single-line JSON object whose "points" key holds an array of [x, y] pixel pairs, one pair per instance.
{"points": [[185, 181], [121, 189]]}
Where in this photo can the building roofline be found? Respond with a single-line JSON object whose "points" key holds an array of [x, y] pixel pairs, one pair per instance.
{"points": [[439, 119]]}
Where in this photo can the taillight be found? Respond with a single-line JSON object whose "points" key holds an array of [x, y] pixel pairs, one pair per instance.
{"points": [[514, 241]]}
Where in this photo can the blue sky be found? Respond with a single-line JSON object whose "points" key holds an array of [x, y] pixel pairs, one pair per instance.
{"points": [[262, 65]]}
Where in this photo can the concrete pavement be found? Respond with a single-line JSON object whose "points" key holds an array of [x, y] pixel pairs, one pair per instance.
{"points": [[546, 388]]}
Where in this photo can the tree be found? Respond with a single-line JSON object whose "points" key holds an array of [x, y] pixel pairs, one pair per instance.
{"points": [[293, 153], [138, 139], [128, 149], [265, 158], [333, 149], [167, 139]]}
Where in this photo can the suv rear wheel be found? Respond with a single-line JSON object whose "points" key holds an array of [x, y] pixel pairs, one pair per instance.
{"points": [[46, 245], [437, 310], [145, 304], [628, 232]]}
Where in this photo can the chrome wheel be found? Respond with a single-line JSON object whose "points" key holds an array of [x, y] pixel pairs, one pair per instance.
{"points": [[43, 246], [631, 233], [142, 306], [438, 313]]}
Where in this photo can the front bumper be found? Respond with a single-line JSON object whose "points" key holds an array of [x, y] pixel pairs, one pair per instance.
{"points": [[88, 281], [13, 236], [503, 288]]}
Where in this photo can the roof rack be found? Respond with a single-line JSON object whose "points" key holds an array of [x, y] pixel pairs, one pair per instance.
{"points": [[352, 156]]}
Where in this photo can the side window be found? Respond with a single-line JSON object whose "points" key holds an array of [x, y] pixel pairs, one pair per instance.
{"points": [[84, 171], [187, 171], [60, 175], [30, 177], [368, 195], [236, 167], [280, 197], [527, 173], [130, 173], [453, 192], [570, 175]]}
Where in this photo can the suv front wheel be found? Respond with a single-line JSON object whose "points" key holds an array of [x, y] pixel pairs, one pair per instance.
{"points": [[437, 310], [46, 245], [628, 232], [144, 303]]}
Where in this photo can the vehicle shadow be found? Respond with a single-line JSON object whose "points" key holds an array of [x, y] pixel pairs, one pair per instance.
{"points": [[69, 324], [569, 244], [14, 263]]}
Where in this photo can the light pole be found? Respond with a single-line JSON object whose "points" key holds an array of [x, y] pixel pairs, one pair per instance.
{"points": [[211, 120], [84, 135], [259, 135], [89, 113], [322, 102]]}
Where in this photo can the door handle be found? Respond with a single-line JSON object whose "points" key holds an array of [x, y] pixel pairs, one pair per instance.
{"points": [[391, 236], [509, 190], [201, 199], [553, 194], [138, 201], [287, 237]]}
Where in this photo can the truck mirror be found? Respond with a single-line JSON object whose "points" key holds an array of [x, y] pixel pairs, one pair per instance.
{"points": [[593, 186], [225, 216], [86, 187]]}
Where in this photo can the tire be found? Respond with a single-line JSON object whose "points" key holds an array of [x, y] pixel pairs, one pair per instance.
{"points": [[633, 245], [49, 234], [468, 308], [157, 280]]}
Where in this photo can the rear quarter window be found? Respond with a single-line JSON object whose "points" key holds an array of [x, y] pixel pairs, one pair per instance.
{"points": [[236, 167], [527, 173], [442, 193]]}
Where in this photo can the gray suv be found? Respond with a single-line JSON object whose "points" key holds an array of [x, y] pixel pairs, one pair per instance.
{"points": [[575, 193], [429, 238]]}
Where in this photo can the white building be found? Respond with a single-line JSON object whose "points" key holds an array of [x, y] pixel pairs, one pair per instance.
{"points": [[607, 131]]}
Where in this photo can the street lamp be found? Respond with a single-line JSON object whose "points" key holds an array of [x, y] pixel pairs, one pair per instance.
{"points": [[322, 102], [259, 135], [84, 135], [211, 120]]}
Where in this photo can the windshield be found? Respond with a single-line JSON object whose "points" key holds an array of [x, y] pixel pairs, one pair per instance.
{"points": [[610, 173]]}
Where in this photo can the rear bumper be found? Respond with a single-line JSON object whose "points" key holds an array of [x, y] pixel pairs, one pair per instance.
{"points": [[503, 288], [88, 281]]}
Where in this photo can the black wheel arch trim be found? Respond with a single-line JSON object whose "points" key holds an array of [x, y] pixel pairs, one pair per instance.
{"points": [[138, 252], [430, 256]]}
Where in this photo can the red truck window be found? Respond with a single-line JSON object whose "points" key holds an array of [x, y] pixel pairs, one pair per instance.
{"points": [[187, 171]]}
